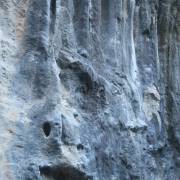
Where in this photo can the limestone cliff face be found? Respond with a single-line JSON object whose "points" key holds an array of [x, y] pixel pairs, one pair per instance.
{"points": [[90, 89]]}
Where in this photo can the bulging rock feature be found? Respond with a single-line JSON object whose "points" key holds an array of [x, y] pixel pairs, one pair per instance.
{"points": [[89, 90]]}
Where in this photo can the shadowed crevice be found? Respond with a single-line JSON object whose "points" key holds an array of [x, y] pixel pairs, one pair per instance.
{"points": [[63, 173]]}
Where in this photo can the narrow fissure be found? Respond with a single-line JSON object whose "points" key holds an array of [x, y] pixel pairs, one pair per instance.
{"points": [[53, 15]]}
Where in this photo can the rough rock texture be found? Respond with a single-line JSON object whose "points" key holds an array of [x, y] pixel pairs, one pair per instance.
{"points": [[90, 89]]}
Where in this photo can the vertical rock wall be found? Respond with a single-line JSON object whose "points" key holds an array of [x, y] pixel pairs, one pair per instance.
{"points": [[89, 89]]}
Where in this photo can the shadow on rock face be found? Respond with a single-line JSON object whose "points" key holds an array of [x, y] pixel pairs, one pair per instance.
{"points": [[63, 173]]}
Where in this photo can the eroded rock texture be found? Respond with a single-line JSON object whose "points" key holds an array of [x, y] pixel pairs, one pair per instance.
{"points": [[90, 89]]}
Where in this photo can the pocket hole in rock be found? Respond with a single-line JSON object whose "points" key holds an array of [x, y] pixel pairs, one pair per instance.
{"points": [[47, 128], [80, 147]]}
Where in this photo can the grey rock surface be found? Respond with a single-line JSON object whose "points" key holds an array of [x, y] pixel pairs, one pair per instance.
{"points": [[90, 89]]}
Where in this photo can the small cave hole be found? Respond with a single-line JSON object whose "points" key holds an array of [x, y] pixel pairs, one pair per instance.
{"points": [[80, 147], [47, 128], [146, 32]]}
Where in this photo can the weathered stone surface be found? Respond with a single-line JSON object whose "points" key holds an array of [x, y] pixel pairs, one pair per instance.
{"points": [[90, 89]]}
